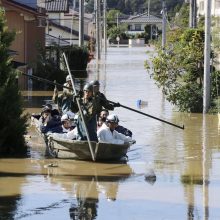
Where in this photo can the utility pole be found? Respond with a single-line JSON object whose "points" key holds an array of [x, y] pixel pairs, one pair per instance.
{"points": [[195, 13], [192, 13], [81, 23], [148, 9], [163, 25], [105, 26], [207, 51], [97, 5], [74, 4]]}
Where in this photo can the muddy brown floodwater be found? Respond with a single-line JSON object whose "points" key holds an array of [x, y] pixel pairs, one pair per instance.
{"points": [[186, 162]]}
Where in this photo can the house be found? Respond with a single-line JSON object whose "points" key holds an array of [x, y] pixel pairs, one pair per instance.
{"points": [[24, 19], [215, 12], [63, 23], [136, 24], [215, 7]]}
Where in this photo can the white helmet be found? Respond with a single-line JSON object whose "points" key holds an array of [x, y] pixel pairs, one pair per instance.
{"points": [[68, 78], [112, 118], [70, 114], [65, 117]]}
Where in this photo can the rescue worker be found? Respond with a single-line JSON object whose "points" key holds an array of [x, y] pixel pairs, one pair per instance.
{"points": [[89, 108], [101, 99], [64, 100]]}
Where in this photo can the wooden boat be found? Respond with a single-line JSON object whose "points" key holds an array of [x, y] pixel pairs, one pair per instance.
{"points": [[59, 147], [65, 148]]}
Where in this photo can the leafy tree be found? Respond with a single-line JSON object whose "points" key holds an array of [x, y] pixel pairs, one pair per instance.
{"points": [[112, 29], [181, 18], [13, 122], [112, 17], [179, 69]]}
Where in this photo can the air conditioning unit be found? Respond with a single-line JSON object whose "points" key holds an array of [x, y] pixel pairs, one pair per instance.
{"points": [[41, 22], [41, 10]]}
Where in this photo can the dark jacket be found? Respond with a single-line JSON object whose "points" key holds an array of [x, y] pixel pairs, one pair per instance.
{"points": [[53, 125], [123, 130]]}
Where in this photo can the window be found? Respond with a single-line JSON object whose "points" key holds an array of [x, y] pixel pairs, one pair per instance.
{"points": [[137, 27], [201, 6], [217, 4]]}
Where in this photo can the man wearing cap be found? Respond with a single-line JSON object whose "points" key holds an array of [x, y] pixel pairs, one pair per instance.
{"points": [[89, 108], [64, 100], [108, 134], [100, 98]]}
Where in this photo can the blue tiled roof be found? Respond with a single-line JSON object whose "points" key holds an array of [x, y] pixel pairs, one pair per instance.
{"points": [[29, 3]]}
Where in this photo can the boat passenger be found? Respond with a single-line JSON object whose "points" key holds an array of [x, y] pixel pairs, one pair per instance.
{"points": [[66, 123], [89, 108], [122, 130], [68, 131], [49, 123], [53, 111], [101, 99], [102, 117], [108, 134]]}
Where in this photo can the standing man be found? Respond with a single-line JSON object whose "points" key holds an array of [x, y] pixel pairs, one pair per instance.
{"points": [[89, 108], [64, 100], [101, 99]]}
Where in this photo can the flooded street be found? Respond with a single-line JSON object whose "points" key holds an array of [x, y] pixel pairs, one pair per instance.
{"points": [[186, 162]]}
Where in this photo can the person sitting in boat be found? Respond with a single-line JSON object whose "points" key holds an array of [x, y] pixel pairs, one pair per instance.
{"points": [[120, 129], [101, 99], [108, 134], [102, 118], [53, 112], [66, 123], [65, 99], [89, 108], [49, 123]]}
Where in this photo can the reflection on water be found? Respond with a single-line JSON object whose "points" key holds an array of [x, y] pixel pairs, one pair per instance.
{"points": [[185, 162]]}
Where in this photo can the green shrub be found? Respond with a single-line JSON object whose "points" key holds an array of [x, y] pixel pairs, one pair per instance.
{"points": [[13, 122]]}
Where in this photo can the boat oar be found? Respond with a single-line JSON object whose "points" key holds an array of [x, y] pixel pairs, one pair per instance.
{"points": [[151, 116], [80, 109]]}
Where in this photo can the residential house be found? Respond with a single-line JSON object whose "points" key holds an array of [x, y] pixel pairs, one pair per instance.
{"points": [[215, 12], [136, 24], [63, 23], [24, 19], [215, 7]]}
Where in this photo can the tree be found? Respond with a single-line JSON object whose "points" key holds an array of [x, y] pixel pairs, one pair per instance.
{"points": [[179, 69], [13, 122]]}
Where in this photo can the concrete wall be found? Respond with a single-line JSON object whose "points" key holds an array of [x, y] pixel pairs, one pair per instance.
{"points": [[136, 42]]}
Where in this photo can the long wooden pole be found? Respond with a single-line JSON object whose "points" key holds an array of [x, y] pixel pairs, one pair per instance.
{"points": [[80, 109], [151, 116]]}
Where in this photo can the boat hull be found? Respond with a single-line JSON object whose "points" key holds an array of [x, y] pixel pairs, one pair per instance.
{"points": [[64, 148]]}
